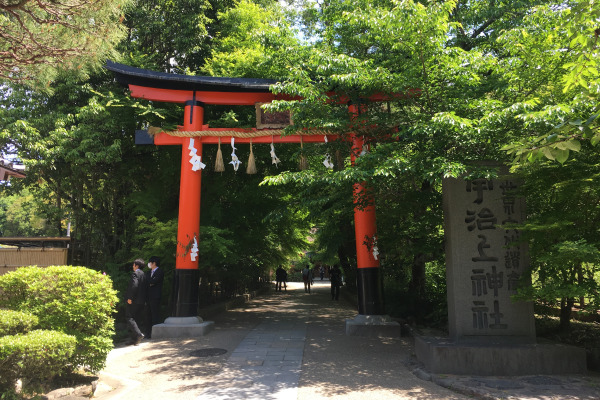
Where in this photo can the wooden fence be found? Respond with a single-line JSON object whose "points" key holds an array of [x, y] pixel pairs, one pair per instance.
{"points": [[13, 258]]}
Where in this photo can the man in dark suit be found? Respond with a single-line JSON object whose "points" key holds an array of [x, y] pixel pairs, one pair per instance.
{"points": [[156, 277], [136, 295]]}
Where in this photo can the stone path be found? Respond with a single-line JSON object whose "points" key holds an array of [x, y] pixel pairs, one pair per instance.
{"points": [[293, 346], [266, 365]]}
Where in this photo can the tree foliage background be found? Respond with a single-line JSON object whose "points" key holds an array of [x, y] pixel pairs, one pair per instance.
{"points": [[39, 39], [466, 81]]}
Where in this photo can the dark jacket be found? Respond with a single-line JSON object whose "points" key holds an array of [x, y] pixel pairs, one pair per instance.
{"points": [[137, 290], [280, 274], [336, 277], [155, 283]]}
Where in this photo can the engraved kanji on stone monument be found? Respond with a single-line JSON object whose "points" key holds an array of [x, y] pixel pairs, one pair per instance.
{"points": [[485, 258], [481, 246], [495, 280], [479, 282], [497, 316]]}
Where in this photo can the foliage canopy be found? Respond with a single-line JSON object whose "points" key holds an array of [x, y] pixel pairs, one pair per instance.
{"points": [[39, 39]]}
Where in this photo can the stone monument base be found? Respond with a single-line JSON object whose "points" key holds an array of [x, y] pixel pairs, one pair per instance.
{"points": [[372, 325], [507, 357], [175, 327]]}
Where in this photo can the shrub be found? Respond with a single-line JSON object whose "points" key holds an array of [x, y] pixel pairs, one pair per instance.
{"points": [[38, 354], [75, 300], [15, 322]]}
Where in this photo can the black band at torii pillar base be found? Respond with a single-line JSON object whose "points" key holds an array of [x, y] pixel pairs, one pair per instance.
{"points": [[185, 293], [370, 291]]}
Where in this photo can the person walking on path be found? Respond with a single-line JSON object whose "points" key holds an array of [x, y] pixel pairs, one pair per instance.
{"points": [[136, 298], [322, 272], [155, 277], [307, 278], [336, 281], [281, 278]]}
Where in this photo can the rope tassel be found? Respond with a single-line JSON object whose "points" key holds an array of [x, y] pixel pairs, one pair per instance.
{"points": [[219, 164], [251, 169]]}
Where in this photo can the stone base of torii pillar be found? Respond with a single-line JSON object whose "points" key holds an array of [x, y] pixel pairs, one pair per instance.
{"points": [[175, 327], [371, 321]]}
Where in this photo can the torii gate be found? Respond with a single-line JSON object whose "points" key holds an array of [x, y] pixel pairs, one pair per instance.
{"points": [[195, 92]]}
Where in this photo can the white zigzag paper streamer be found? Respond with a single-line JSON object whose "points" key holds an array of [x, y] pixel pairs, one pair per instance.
{"points": [[273, 156], [194, 251], [234, 160], [195, 159]]}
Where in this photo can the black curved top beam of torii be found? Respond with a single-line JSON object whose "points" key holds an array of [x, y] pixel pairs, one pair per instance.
{"points": [[127, 75], [202, 90], [177, 88]]}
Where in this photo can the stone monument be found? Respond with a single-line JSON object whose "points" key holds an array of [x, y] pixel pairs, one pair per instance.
{"points": [[489, 333]]}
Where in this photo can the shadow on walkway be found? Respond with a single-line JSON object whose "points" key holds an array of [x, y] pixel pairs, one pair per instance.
{"points": [[292, 345]]}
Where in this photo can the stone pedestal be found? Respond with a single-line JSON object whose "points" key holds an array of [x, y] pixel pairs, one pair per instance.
{"points": [[372, 326], [498, 356], [175, 327]]}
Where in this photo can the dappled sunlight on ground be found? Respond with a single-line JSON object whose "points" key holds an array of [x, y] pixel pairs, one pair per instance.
{"points": [[333, 365]]}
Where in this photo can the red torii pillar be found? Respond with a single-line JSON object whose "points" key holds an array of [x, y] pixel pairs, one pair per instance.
{"points": [[185, 285], [371, 319], [369, 283]]}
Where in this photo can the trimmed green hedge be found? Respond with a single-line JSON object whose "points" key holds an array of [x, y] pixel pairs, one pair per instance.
{"points": [[15, 322], [75, 300], [38, 355]]}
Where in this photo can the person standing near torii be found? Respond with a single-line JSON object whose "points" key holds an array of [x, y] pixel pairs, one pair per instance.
{"points": [[136, 299]]}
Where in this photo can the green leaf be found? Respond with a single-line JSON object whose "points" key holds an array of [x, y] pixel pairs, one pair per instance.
{"points": [[561, 155], [574, 145], [548, 153], [591, 119], [561, 146]]}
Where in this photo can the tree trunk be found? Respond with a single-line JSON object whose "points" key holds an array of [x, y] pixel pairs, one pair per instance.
{"points": [[416, 285], [349, 272], [417, 282], [58, 220], [580, 280], [566, 306]]}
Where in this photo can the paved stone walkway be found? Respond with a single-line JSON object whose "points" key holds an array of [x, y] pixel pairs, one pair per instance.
{"points": [[292, 346], [266, 365]]}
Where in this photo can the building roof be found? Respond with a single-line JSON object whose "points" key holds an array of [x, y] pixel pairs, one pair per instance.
{"points": [[8, 170], [35, 241], [127, 75]]}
